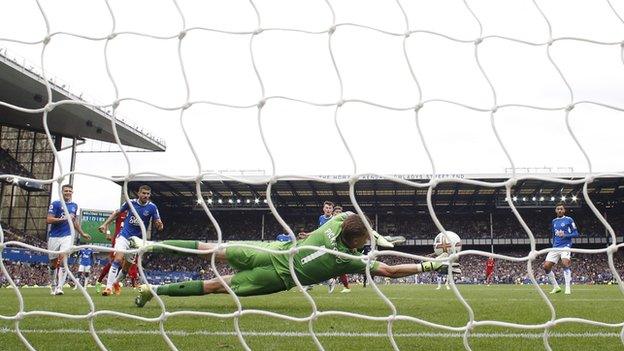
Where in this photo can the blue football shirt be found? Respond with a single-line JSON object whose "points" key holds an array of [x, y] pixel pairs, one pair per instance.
{"points": [[146, 212], [61, 229], [85, 257], [566, 225], [323, 219], [283, 237]]}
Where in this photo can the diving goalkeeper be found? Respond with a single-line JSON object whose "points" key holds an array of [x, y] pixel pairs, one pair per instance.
{"points": [[261, 273]]}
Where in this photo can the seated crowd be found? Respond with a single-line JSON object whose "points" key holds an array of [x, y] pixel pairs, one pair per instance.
{"points": [[196, 225], [261, 225], [588, 269]]}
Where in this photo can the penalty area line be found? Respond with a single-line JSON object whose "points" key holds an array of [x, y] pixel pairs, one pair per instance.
{"points": [[304, 334]]}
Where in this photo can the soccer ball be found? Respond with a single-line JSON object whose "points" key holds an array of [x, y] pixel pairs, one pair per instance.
{"points": [[445, 243]]}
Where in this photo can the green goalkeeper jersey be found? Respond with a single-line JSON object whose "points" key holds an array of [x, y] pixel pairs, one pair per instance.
{"points": [[313, 266]]}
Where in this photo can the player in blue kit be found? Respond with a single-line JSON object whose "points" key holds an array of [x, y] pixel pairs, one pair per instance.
{"points": [[147, 212], [59, 237], [283, 237], [563, 230], [328, 212], [85, 260]]}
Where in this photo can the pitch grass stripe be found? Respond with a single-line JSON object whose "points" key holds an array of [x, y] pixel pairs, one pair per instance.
{"points": [[300, 334]]}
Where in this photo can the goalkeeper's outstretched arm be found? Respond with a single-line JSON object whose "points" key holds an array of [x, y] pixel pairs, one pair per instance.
{"points": [[403, 270]]}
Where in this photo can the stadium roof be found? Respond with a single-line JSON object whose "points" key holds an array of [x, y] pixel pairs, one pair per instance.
{"points": [[21, 86], [380, 193]]}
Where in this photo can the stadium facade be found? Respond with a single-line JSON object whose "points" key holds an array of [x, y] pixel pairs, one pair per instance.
{"points": [[25, 153], [394, 207]]}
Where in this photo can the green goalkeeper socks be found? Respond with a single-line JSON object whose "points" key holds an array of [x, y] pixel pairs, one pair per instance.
{"points": [[192, 288], [186, 244]]}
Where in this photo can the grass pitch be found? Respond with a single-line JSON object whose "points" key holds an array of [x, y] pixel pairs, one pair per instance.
{"points": [[510, 303]]}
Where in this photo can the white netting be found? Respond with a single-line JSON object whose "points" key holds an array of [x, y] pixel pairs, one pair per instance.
{"points": [[338, 103]]}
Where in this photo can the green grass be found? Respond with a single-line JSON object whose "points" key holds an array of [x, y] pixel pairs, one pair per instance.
{"points": [[511, 303]]}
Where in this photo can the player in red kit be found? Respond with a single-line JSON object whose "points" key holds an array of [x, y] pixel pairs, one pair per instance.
{"points": [[118, 225], [133, 274], [489, 270]]}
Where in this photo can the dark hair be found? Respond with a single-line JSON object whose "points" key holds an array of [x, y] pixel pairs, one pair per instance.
{"points": [[145, 187], [353, 228], [560, 204], [67, 186], [328, 203]]}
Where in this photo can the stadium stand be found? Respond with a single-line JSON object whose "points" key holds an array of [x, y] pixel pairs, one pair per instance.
{"points": [[240, 225], [9, 165], [14, 234], [485, 224], [589, 269]]}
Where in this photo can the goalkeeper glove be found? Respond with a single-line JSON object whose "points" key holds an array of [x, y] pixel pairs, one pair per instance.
{"points": [[441, 267], [381, 241], [387, 241]]}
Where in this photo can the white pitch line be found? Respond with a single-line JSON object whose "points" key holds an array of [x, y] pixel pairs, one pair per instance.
{"points": [[305, 334], [489, 299]]}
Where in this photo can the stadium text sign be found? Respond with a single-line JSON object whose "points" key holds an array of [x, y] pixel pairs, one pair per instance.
{"points": [[400, 176], [90, 220]]}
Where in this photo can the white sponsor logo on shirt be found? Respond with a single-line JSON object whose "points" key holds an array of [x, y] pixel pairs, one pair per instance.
{"points": [[134, 220]]}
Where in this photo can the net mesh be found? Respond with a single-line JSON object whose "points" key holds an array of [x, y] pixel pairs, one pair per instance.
{"points": [[419, 103]]}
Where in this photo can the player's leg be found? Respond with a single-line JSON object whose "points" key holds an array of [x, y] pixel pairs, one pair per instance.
{"points": [[258, 281], [79, 276], [60, 275], [344, 280], [52, 272], [120, 266], [53, 245], [331, 285], [112, 273], [567, 272], [105, 269], [103, 274], [136, 242], [190, 288], [85, 276], [551, 259], [65, 243], [241, 258], [238, 257], [133, 274], [123, 272], [121, 243]]}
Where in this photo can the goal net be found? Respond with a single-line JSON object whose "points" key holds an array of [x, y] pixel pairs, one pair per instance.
{"points": [[440, 88]]}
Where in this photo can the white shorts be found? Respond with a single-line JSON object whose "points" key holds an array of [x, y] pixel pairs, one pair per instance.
{"points": [[85, 269], [554, 256], [59, 243], [121, 243]]}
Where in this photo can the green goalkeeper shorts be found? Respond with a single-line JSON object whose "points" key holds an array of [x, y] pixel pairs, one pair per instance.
{"points": [[243, 258], [257, 281], [257, 275]]}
